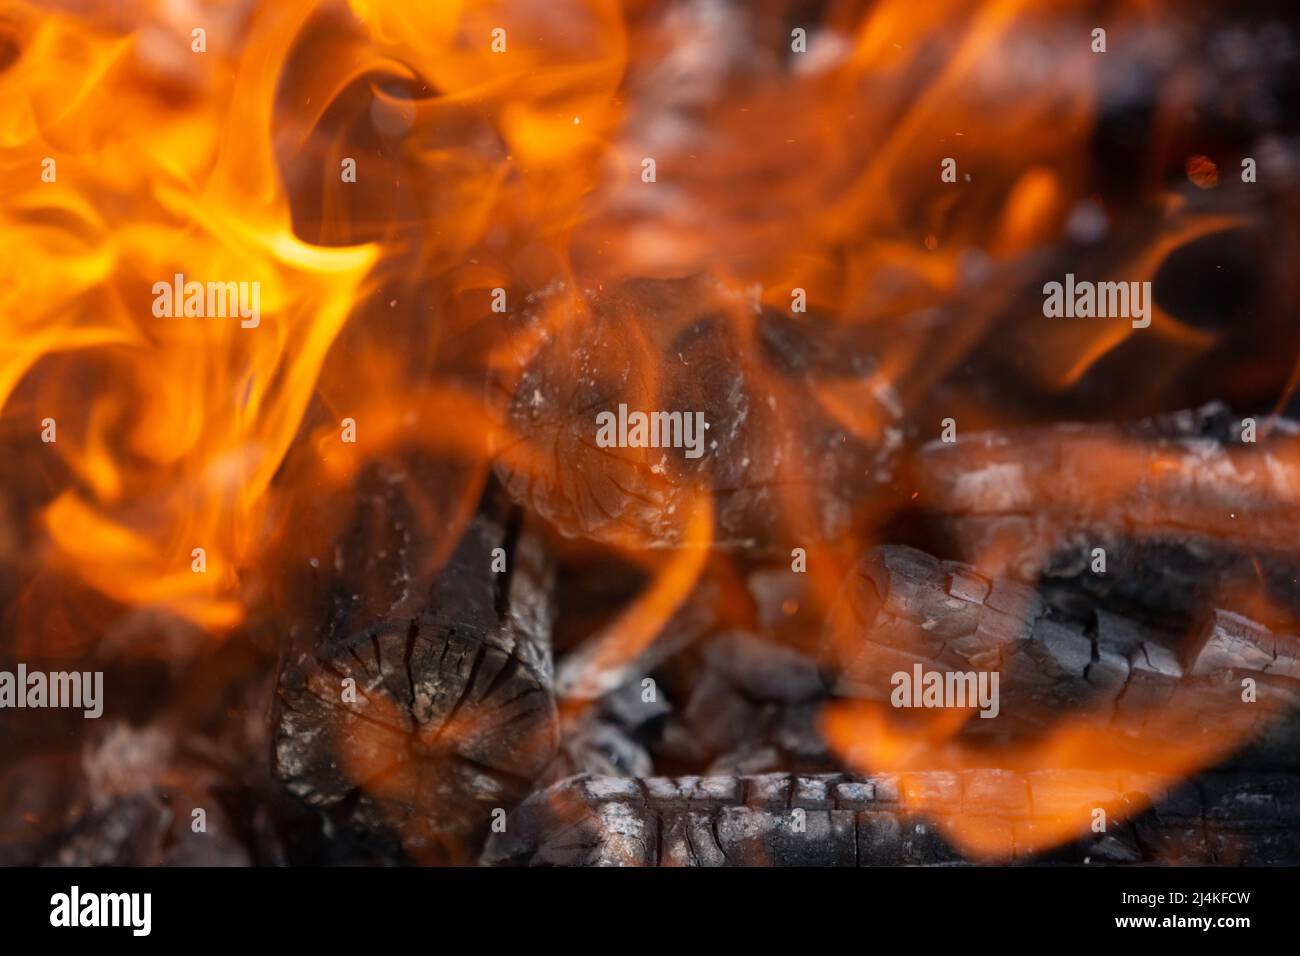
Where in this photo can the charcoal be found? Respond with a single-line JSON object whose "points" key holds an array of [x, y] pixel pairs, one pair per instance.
{"points": [[391, 694], [778, 737], [795, 730], [718, 715], [127, 798], [582, 821], [901, 607], [381, 563], [778, 595], [627, 705], [1119, 847], [1272, 746], [119, 758], [755, 836], [145, 825], [770, 451], [1231, 642], [608, 660], [844, 820], [1188, 515], [727, 726], [598, 748], [763, 670], [127, 832], [454, 713], [1115, 638], [785, 608], [679, 744]]}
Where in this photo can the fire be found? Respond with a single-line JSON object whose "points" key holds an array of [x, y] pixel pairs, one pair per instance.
{"points": [[189, 418], [1094, 762], [647, 189]]}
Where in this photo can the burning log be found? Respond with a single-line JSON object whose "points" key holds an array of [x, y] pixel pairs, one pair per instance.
{"points": [[749, 436], [376, 168], [904, 611], [423, 726], [1188, 510], [844, 820]]}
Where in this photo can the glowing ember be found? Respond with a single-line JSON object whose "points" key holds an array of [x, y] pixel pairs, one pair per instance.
{"points": [[1202, 171]]}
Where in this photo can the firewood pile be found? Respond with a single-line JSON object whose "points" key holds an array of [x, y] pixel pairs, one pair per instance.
{"points": [[438, 731], [653, 456]]}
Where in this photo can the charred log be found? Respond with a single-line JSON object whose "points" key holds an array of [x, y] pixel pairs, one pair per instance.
{"points": [[902, 609], [418, 728], [1189, 510], [764, 453], [841, 820]]}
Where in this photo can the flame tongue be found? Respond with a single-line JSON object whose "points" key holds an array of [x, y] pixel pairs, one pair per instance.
{"points": [[190, 415], [247, 260]]}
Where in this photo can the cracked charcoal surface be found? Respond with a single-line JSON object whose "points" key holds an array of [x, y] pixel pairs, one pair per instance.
{"points": [[1032, 496], [454, 713], [768, 443], [901, 606], [851, 820]]}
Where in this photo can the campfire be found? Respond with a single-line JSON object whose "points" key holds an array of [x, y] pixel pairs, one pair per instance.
{"points": [[697, 432]]}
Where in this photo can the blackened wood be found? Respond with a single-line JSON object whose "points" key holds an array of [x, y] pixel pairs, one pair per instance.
{"points": [[850, 820], [775, 463], [453, 715], [598, 747], [610, 658], [744, 703], [901, 607], [1189, 516]]}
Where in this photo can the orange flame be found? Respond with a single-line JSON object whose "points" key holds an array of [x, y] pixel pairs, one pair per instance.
{"points": [[500, 148]]}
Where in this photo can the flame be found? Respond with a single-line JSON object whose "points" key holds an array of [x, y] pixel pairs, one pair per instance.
{"points": [[1245, 498], [171, 161], [190, 417], [500, 147], [1092, 762]]}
